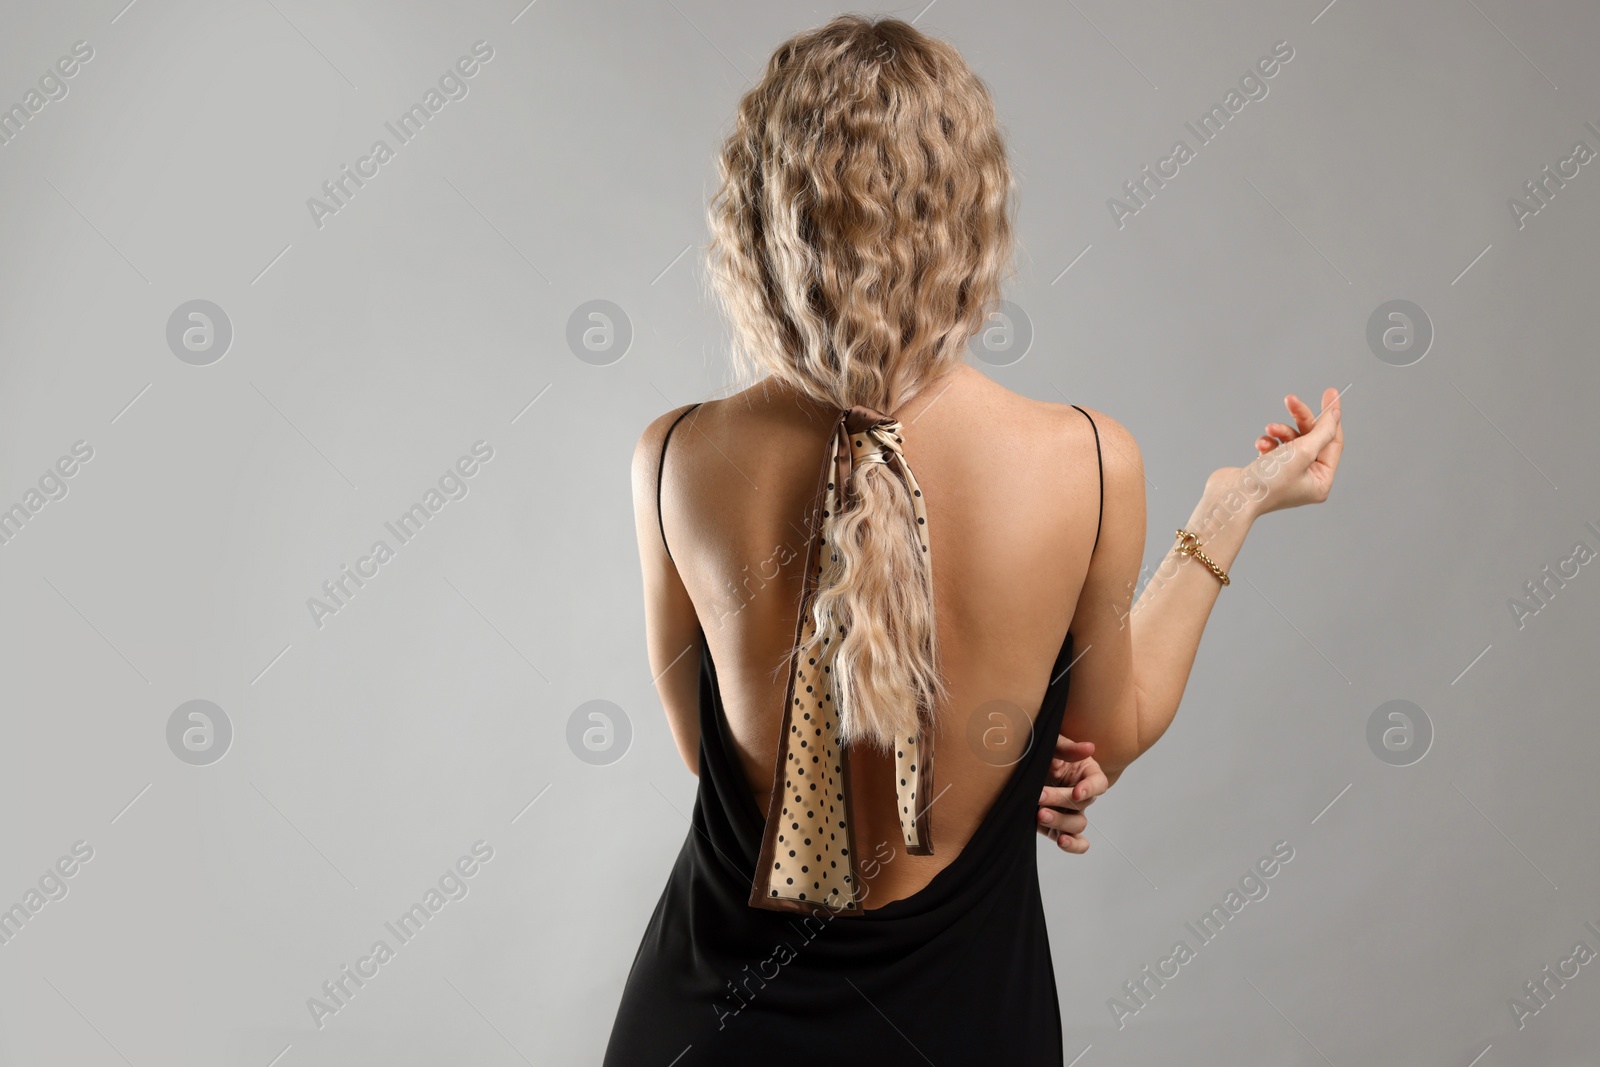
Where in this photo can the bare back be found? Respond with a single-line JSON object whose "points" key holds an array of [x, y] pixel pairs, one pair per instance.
{"points": [[1012, 489]]}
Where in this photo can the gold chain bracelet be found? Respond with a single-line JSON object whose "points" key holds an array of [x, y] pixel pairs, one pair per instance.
{"points": [[1189, 545]]}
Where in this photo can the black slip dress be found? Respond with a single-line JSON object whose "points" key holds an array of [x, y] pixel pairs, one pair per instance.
{"points": [[959, 973]]}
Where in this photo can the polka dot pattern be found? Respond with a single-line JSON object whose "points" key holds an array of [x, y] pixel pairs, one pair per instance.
{"points": [[806, 844]]}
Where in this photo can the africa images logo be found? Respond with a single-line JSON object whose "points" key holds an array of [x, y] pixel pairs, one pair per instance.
{"points": [[341, 189], [453, 885], [1141, 189], [453, 484], [1252, 887], [52, 86]]}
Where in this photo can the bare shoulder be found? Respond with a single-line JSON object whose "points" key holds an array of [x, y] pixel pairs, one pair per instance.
{"points": [[655, 434], [648, 452], [1066, 423], [1120, 461], [1119, 452], [764, 413]]}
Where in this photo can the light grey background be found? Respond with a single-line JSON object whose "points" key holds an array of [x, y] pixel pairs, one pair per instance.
{"points": [[432, 711]]}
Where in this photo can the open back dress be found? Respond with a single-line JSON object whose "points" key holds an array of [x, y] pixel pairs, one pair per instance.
{"points": [[957, 973]]}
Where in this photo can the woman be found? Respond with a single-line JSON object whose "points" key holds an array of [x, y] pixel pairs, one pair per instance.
{"points": [[868, 580]]}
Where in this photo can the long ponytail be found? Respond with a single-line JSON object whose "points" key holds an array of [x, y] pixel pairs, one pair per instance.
{"points": [[873, 614]]}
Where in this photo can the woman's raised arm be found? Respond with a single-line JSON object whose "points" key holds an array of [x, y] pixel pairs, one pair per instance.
{"points": [[1136, 656]]}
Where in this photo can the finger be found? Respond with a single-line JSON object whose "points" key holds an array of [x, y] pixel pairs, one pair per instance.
{"points": [[1078, 785], [1332, 462], [1071, 805], [1330, 454], [1062, 796], [1071, 760], [1303, 415], [1073, 844], [1094, 783], [1322, 433], [1072, 751], [1066, 821], [1276, 434], [1335, 449], [1085, 775]]}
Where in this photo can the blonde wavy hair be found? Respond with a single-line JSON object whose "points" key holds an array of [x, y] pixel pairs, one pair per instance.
{"points": [[859, 237]]}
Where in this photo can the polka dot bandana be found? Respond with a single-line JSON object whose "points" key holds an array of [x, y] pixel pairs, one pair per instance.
{"points": [[808, 854]]}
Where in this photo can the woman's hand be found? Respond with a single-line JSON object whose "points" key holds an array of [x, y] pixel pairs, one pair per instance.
{"points": [[1075, 780], [1308, 454], [1296, 463]]}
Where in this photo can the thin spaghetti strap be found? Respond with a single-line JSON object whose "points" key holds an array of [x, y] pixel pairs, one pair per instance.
{"points": [[660, 470], [1101, 464]]}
